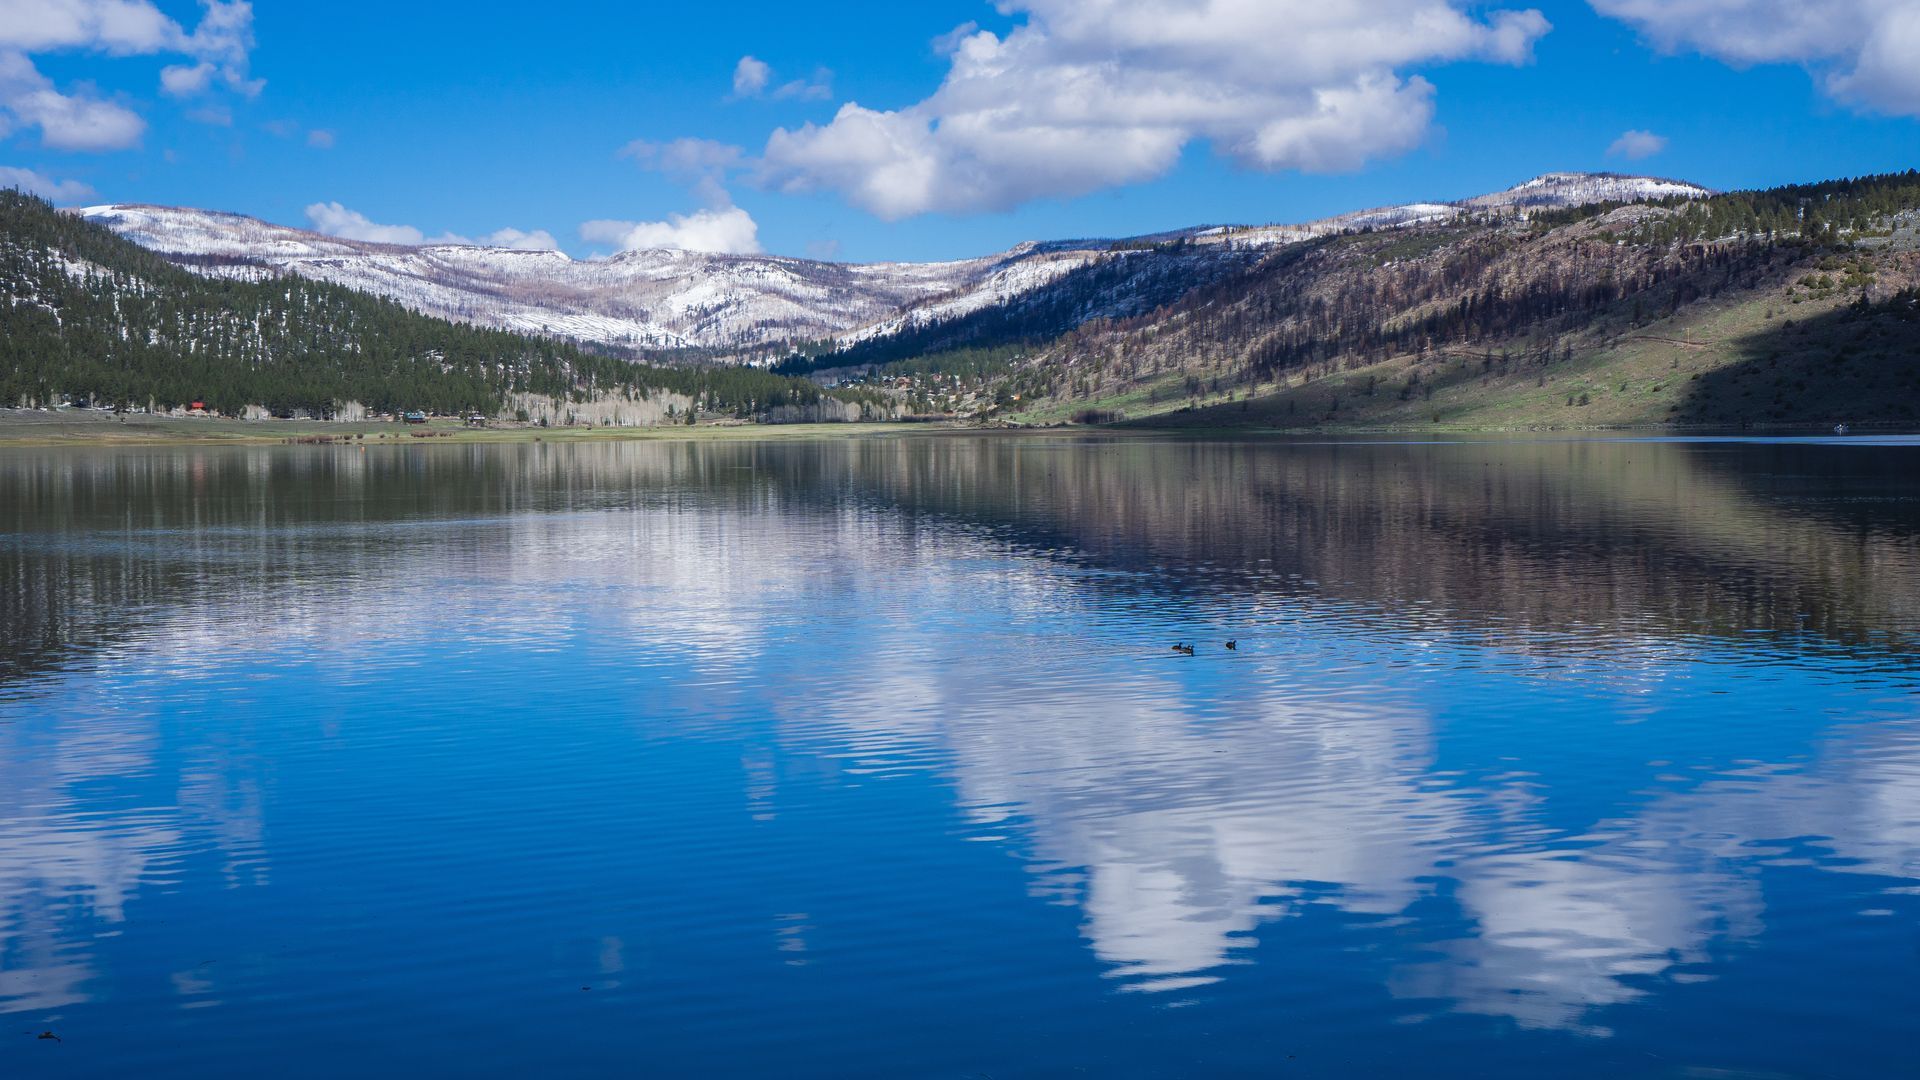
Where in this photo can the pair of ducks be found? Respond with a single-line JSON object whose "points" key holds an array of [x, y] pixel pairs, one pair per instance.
{"points": [[1185, 649]]}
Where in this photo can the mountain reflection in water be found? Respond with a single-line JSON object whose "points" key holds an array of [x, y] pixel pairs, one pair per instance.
{"points": [[1609, 740]]}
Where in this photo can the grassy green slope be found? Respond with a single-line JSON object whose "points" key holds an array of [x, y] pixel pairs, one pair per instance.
{"points": [[1750, 361], [1633, 316]]}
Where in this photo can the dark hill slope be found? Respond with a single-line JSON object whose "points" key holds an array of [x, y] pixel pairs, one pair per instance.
{"points": [[1787, 306]]}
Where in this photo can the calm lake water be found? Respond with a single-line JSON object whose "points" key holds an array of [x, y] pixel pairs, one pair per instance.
{"points": [[872, 758]]}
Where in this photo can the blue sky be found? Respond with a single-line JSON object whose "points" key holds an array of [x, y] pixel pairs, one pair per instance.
{"points": [[1058, 118]]}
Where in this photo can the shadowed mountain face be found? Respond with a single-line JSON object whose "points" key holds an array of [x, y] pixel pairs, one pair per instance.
{"points": [[1858, 364]]}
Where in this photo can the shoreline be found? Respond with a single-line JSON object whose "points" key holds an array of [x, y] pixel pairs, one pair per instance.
{"points": [[24, 428], [34, 429]]}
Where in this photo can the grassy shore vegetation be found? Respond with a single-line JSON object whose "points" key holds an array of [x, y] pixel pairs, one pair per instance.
{"points": [[1752, 361], [70, 427]]}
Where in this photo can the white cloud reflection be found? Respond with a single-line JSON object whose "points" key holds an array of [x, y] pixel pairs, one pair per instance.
{"points": [[1177, 816], [67, 867]]}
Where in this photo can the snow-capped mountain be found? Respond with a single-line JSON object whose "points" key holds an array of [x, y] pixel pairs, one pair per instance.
{"points": [[1551, 191], [647, 299], [669, 298], [1556, 190]]}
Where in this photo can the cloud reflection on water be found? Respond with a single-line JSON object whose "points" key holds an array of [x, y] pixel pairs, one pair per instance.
{"points": [[1183, 807]]}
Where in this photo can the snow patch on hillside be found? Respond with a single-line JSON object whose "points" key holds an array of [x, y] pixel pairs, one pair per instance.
{"points": [[1560, 190], [664, 299], [641, 299], [1008, 283]]}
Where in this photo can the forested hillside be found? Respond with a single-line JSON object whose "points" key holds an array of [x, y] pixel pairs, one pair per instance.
{"points": [[1795, 305], [1142, 278], [85, 314], [1785, 306]]}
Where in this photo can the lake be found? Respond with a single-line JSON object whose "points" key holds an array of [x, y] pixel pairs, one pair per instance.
{"points": [[874, 757]]}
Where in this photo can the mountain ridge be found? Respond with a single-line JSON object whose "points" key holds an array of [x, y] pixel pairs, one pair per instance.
{"points": [[87, 315], [668, 299], [1792, 305]]}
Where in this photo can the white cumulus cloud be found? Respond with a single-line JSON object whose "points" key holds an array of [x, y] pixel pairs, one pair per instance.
{"points": [[1637, 145], [704, 166], [224, 39], [46, 187], [727, 231], [115, 27], [1862, 51], [186, 80], [66, 121], [685, 158], [537, 240], [701, 164], [333, 219], [752, 78], [218, 49], [817, 88], [1088, 94]]}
